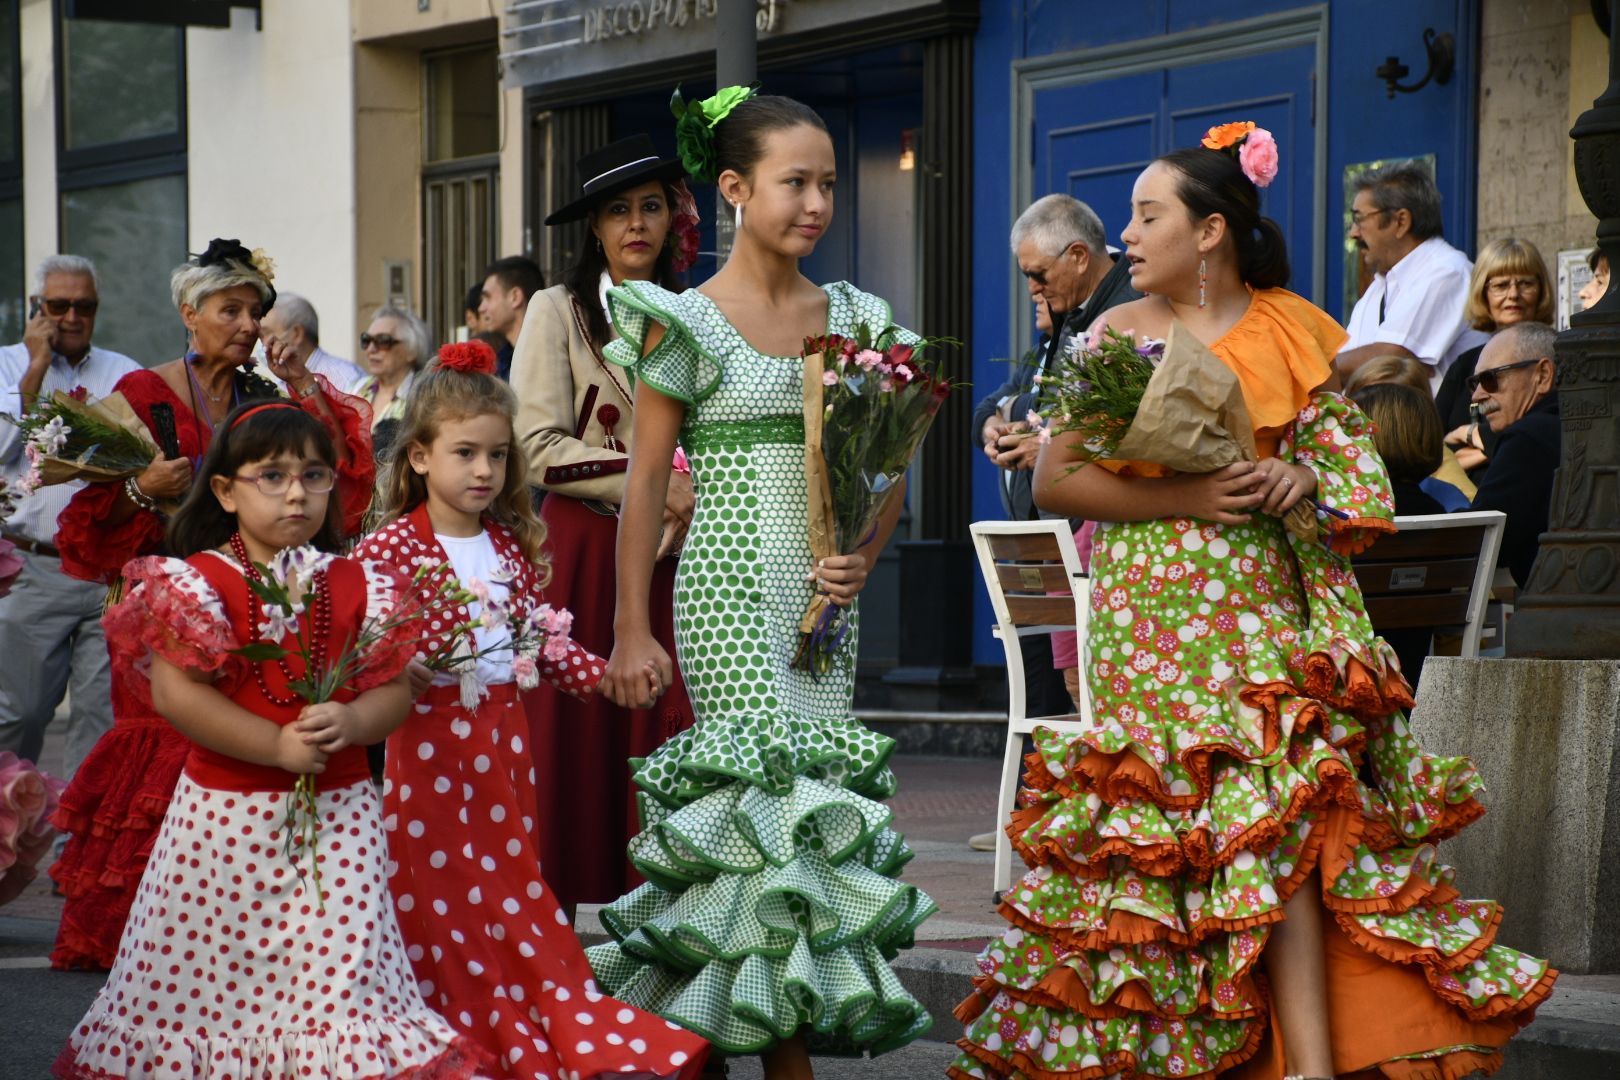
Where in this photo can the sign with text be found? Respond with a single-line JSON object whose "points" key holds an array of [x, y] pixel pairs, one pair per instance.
{"points": [[567, 39]]}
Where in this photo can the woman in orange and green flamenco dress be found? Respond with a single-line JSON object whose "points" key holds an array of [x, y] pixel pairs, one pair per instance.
{"points": [[1233, 870]]}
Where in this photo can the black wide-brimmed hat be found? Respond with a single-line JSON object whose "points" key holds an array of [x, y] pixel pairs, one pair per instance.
{"points": [[614, 168]]}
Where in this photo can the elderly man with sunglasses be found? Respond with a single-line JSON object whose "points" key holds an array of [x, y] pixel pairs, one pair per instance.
{"points": [[50, 624], [1514, 389]]}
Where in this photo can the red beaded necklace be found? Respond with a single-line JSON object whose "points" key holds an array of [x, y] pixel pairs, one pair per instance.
{"points": [[320, 629]]}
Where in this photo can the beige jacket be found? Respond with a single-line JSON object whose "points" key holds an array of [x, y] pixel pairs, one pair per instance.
{"points": [[567, 400]]}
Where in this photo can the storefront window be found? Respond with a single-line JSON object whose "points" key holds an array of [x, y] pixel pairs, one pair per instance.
{"points": [[122, 82], [121, 172], [463, 104], [136, 234], [12, 280]]}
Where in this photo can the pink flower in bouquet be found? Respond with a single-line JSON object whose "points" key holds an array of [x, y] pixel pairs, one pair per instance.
{"points": [[886, 385], [869, 358], [27, 801], [11, 565], [1258, 157], [829, 377], [526, 672], [479, 590]]}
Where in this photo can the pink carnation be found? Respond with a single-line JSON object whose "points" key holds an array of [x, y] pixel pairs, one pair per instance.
{"points": [[1258, 157], [526, 673], [869, 358], [829, 377]]}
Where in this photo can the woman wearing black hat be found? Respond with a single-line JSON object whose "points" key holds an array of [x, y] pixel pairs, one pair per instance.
{"points": [[574, 420]]}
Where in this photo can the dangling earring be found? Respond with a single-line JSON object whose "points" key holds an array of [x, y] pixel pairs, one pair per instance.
{"points": [[1203, 281], [739, 215], [599, 247]]}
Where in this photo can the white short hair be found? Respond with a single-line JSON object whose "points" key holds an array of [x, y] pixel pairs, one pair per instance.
{"points": [[65, 264], [296, 311], [1055, 221], [413, 334], [191, 285]]}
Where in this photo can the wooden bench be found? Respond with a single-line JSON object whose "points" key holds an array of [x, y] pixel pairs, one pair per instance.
{"points": [[1434, 573]]}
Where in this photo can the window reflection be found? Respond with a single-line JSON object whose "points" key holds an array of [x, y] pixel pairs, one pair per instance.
{"points": [[136, 233], [122, 82]]}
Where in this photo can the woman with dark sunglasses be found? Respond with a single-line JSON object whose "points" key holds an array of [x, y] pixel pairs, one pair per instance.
{"points": [[395, 347]]}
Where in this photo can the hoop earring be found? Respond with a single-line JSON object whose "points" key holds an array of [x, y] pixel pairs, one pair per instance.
{"points": [[599, 248], [1203, 282], [738, 207]]}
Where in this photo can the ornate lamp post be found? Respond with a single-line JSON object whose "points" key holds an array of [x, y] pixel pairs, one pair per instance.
{"points": [[1570, 609]]}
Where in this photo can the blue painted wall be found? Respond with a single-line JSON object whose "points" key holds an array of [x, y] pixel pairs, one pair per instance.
{"points": [[1363, 125]]}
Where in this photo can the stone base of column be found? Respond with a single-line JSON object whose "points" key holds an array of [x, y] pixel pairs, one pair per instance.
{"points": [[1545, 736]]}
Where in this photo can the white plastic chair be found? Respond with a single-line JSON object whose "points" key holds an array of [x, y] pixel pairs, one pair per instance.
{"points": [[1022, 562]]}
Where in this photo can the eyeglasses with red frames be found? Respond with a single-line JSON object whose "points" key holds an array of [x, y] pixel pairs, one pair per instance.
{"points": [[272, 483], [1490, 379]]}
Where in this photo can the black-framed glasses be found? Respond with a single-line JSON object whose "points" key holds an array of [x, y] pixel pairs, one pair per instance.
{"points": [[1489, 379], [1504, 286], [315, 480], [56, 308], [382, 341]]}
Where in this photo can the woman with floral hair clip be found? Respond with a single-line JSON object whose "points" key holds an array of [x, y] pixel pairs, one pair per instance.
{"points": [[574, 418], [1233, 867]]}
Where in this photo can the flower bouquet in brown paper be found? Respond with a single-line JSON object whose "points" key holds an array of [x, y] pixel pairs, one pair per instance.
{"points": [[73, 438], [868, 402], [1177, 405]]}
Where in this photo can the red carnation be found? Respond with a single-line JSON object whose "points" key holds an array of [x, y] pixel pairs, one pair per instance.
{"points": [[468, 357]]}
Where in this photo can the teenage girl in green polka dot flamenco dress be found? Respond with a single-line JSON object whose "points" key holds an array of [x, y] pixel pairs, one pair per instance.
{"points": [[771, 909], [1233, 871]]}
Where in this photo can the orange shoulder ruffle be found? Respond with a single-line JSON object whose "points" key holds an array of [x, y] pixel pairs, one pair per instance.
{"points": [[1282, 349]]}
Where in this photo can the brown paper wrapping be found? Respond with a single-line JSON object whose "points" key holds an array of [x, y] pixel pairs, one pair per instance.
{"points": [[1193, 419], [822, 529], [112, 409]]}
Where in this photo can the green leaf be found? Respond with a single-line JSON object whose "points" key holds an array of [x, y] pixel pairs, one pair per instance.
{"points": [[260, 651], [268, 591]]}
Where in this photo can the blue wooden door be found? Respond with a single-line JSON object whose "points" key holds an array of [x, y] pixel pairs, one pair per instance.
{"points": [[1093, 138]]}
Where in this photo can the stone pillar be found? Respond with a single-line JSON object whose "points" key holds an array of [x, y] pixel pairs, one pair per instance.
{"points": [[1570, 608], [1544, 735]]}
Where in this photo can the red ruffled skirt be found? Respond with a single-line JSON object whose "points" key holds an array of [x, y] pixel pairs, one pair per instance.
{"points": [[113, 810], [582, 749]]}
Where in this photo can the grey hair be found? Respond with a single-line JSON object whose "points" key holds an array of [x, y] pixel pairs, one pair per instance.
{"points": [[300, 312], [65, 264], [1530, 340], [1056, 221], [191, 285], [413, 334], [1406, 185]]}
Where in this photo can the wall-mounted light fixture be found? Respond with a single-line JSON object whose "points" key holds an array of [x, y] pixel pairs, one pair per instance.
{"points": [[908, 150], [1442, 50]]}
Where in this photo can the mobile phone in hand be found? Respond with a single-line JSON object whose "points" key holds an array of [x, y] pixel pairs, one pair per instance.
{"points": [[34, 309]]}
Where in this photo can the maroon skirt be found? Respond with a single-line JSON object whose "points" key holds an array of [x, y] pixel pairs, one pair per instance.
{"points": [[582, 749]]}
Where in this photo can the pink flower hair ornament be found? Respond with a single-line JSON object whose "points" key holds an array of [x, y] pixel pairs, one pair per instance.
{"points": [[1254, 147]]}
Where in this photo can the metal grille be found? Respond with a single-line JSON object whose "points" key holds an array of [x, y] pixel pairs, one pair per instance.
{"points": [[459, 231]]}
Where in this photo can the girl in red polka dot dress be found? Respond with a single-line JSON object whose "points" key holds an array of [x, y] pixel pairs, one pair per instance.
{"points": [[238, 960], [490, 944]]}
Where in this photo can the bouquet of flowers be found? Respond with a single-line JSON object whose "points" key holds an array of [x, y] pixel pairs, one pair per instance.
{"points": [[72, 438], [868, 402], [541, 632], [1170, 402], [293, 583]]}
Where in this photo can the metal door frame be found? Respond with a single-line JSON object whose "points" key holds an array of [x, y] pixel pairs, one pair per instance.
{"points": [[1184, 48]]}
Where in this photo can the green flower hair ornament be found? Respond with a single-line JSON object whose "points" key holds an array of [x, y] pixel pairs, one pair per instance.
{"points": [[694, 127]]}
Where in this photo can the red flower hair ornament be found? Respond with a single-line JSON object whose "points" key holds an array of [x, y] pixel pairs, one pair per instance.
{"points": [[468, 357]]}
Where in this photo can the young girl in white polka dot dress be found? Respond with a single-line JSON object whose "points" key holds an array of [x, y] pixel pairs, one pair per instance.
{"points": [[236, 960], [490, 944]]}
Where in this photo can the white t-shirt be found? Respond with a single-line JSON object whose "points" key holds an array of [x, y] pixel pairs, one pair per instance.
{"points": [[1422, 298], [473, 558]]}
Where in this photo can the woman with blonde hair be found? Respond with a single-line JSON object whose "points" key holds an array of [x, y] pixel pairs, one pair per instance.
{"points": [[1510, 285]]}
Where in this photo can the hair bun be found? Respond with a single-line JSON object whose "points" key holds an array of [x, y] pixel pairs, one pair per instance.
{"points": [[468, 357]]}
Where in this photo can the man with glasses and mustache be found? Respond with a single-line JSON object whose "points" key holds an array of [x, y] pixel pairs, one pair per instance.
{"points": [[1414, 306], [50, 624], [1514, 389]]}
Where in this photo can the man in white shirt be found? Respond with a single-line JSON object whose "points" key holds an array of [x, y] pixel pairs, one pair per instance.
{"points": [[50, 624], [1414, 306], [293, 322]]}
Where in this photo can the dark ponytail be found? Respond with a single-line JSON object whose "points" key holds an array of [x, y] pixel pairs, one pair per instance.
{"points": [[1212, 182], [739, 139]]}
